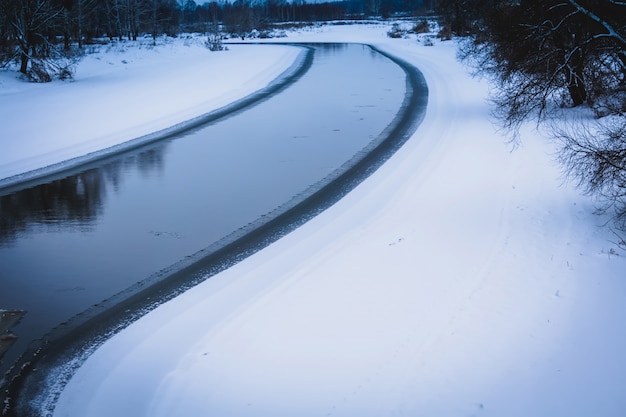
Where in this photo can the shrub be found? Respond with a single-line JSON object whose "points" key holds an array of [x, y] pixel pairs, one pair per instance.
{"points": [[214, 42], [445, 34], [396, 32], [44, 70], [421, 27]]}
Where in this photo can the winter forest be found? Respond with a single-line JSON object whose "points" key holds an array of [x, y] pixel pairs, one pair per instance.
{"points": [[37, 30]]}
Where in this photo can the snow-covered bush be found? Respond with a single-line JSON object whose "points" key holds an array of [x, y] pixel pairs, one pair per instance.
{"points": [[214, 42], [445, 33], [421, 27], [61, 66], [396, 31]]}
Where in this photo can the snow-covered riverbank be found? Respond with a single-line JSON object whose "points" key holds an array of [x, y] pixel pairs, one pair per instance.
{"points": [[124, 91], [462, 278]]}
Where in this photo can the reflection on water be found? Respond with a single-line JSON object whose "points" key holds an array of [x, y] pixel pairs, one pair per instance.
{"points": [[44, 235], [332, 48], [69, 202], [8, 320], [70, 243], [72, 202]]}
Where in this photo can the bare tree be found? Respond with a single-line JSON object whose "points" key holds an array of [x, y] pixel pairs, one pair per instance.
{"points": [[30, 19], [6, 37], [543, 55], [240, 19], [113, 19], [75, 13], [594, 156]]}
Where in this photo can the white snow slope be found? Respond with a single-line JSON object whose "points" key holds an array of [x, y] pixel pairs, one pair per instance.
{"points": [[463, 278]]}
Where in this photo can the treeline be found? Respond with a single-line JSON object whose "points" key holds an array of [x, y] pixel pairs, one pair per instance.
{"points": [[540, 50], [546, 55], [31, 31]]}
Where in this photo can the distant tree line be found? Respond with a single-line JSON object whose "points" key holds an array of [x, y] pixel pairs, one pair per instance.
{"points": [[543, 55], [34, 31]]}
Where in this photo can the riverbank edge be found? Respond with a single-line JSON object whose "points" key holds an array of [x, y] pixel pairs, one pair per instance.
{"points": [[80, 163], [34, 391], [26, 363]]}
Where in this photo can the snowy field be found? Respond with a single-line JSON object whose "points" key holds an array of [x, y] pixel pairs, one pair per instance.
{"points": [[463, 278]]}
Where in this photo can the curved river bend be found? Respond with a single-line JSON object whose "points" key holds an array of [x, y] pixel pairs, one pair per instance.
{"points": [[136, 229]]}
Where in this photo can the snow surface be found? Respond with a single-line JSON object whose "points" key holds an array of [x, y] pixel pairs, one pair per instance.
{"points": [[463, 278]]}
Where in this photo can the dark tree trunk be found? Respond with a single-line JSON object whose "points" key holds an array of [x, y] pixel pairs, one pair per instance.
{"points": [[577, 93], [576, 85], [66, 30], [23, 62]]}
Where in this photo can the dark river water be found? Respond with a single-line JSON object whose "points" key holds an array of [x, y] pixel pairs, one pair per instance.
{"points": [[71, 242]]}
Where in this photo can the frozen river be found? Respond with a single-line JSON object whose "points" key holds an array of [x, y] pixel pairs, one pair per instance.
{"points": [[130, 222]]}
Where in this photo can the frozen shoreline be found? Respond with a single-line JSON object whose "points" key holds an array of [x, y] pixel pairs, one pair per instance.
{"points": [[281, 80], [69, 143]]}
